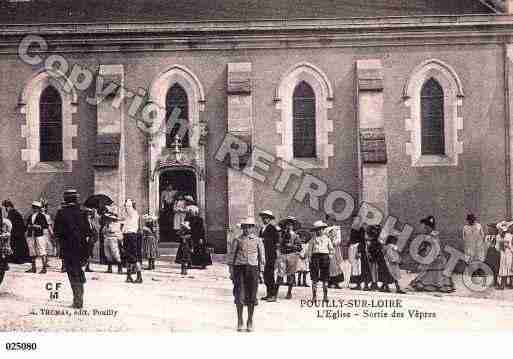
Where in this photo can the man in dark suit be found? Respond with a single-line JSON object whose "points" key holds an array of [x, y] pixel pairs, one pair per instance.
{"points": [[271, 238], [72, 230]]}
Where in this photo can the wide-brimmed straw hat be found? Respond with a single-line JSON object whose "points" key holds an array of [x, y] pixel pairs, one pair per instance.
{"points": [[319, 225], [249, 221], [37, 204], [267, 213]]}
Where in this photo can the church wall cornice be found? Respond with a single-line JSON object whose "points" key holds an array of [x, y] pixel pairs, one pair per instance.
{"points": [[218, 35]]}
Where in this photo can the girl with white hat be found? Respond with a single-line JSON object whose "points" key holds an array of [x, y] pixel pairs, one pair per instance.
{"points": [[505, 248], [319, 250]]}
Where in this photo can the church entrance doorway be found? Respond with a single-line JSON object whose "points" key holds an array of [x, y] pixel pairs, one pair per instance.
{"points": [[173, 183]]}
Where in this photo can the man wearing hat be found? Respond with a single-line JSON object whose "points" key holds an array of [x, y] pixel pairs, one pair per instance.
{"points": [[271, 239], [36, 240], [72, 229], [246, 260]]}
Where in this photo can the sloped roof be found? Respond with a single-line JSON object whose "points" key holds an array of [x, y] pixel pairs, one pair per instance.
{"points": [[117, 11]]}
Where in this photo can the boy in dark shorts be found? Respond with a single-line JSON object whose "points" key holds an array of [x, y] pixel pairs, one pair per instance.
{"points": [[246, 261]]}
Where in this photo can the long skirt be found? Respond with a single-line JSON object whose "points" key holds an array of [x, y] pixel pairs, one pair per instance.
{"points": [[302, 264], [476, 250], [179, 218], [245, 284], [111, 251], [492, 259], [287, 264], [132, 247], [384, 274], [20, 249], [356, 264], [432, 279], [336, 262], [506, 263], [200, 256], [394, 270], [151, 248]]}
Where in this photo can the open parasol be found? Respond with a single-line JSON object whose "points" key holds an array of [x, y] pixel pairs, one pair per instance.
{"points": [[98, 201]]}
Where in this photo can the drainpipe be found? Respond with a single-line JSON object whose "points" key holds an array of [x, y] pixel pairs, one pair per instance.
{"points": [[507, 124]]}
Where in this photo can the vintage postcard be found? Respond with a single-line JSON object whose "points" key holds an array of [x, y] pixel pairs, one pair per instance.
{"points": [[258, 166]]}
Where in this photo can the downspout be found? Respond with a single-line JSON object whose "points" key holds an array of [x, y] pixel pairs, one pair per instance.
{"points": [[507, 127]]}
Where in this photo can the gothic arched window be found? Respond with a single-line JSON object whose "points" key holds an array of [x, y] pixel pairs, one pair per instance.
{"points": [[303, 112], [50, 125], [176, 98], [432, 118]]}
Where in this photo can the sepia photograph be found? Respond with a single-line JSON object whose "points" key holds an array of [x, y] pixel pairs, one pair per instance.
{"points": [[225, 167]]}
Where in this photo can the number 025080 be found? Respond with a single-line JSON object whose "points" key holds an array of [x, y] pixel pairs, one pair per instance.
{"points": [[20, 346]]}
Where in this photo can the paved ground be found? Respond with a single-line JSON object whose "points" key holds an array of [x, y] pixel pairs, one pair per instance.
{"points": [[202, 302]]}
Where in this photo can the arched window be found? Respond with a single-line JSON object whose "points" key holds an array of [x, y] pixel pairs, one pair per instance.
{"points": [[50, 125], [303, 110], [432, 118], [176, 98]]}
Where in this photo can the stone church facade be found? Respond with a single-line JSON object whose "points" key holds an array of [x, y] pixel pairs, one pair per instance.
{"points": [[402, 105]]}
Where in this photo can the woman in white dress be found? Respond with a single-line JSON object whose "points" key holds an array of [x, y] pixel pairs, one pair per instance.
{"points": [[505, 248], [473, 239], [180, 211]]}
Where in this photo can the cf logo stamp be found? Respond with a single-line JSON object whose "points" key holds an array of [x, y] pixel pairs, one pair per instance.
{"points": [[53, 289]]}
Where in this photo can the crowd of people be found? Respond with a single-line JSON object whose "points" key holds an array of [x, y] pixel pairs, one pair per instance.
{"points": [[121, 239], [276, 254], [360, 260]]}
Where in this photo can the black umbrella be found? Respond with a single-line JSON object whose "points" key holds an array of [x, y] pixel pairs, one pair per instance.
{"points": [[98, 201], [283, 223]]}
